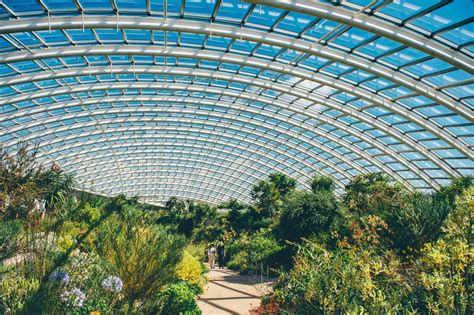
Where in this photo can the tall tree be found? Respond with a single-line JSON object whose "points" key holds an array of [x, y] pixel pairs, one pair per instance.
{"points": [[283, 183], [268, 195]]}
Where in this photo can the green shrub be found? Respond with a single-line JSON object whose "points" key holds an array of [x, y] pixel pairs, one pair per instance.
{"points": [[143, 256], [248, 252], [178, 298], [240, 262], [89, 214], [346, 280], [9, 234], [324, 183], [14, 292], [372, 193], [306, 214], [417, 221], [444, 265], [191, 268]]}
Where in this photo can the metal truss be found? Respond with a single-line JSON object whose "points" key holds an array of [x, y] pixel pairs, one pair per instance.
{"points": [[135, 85], [217, 30], [376, 26], [147, 111], [243, 108]]}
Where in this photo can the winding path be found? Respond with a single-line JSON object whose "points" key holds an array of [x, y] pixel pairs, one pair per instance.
{"points": [[231, 293]]}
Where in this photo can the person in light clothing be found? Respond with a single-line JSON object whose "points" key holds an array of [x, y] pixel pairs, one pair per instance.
{"points": [[212, 255]]}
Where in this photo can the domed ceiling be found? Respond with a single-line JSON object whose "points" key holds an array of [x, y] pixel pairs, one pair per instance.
{"points": [[201, 98]]}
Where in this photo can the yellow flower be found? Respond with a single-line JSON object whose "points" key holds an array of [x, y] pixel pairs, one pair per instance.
{"points": [[95, 313]]}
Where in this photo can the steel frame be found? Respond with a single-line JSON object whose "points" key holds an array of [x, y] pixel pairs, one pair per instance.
{"points": [[90, 138], [261, 99], [355, 133], [224, 31]]}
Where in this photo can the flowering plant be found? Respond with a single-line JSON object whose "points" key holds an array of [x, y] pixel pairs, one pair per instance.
{"points": [[112, 283], [73, 298], [60, 276]]}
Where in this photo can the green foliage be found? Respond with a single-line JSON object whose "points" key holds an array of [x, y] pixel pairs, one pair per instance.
{"points": [[249, 251], [191, 268], [197, 221], [9, 234], [269, 195], [283, 183], [342, 281], [178, 298], [382, 249], [305, 214], [89, 214], [235, 216], [90, 240], [363, 275], [15, 291], [444, 265], [416, 221], [325, 183], [143, 256], [266, 197], [371, 194], [22, 182]]}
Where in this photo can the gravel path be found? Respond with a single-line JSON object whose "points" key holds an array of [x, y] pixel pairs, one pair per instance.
{"points": [[230, 293]]}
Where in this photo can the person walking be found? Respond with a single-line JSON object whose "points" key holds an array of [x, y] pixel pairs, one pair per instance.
{"points": [[220, 254], [212, 256]]}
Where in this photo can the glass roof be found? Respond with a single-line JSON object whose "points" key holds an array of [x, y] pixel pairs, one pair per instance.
{"points": [[201, 98]]}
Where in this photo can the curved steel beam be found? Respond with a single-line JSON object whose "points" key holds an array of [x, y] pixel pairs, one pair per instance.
{"points": [[217, 30], [262, 135], [147, 145], [144, 177], [317, 131], [297, 92], [393, 132], [153, 200], [196, 192], [376, 26], [297, 136], [328, 151], [117, 170], [222, 186], [248, 142], [217, 174], [415, 118], [325, 134], [200, 193], [134, 156]]}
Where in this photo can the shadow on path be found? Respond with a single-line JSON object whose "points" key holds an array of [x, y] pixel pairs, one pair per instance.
{"points": [[229, 293]]}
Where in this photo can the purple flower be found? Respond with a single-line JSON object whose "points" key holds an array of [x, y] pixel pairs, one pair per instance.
{"points": [[74, 297], [112, 283], [60, 276]]}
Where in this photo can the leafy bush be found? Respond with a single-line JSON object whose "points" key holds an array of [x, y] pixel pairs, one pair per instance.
{"points": [[89, 214], [191, 268], [444, 265], [9, 234], [320, 183], [14, 292], [346, 280], [305, 214], [417, 221], [143, 256], [178, 298], [248, 252], [372, 193]]}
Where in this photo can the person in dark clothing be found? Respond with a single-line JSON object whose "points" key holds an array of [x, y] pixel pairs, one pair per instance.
{"points": [[220, 254]]}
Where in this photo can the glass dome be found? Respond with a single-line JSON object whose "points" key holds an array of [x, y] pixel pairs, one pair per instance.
{"points": [[201, 98]]}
